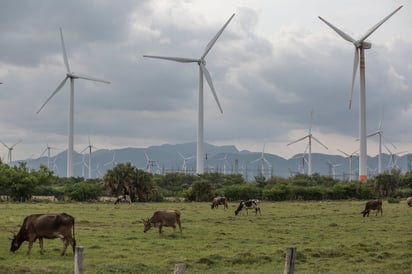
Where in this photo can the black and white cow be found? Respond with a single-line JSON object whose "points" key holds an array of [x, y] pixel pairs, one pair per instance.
{"points": [[249, 204]]}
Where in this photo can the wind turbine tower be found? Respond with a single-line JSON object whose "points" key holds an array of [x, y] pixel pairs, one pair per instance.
{"points": [[202, 72], [72, 76], [360, 46]]}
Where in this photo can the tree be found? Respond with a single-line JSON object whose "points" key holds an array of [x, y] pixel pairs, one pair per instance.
{"points": [[127, 179]]}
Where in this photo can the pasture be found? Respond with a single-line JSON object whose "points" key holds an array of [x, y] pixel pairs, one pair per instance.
{"points": [[329, 236]]}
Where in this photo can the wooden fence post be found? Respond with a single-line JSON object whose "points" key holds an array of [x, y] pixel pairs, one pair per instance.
{"points": [[290, 260], [180, 268], [78, 260]]}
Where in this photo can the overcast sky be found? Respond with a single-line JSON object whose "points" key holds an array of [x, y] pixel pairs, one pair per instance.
{"points": [[274, 64]]}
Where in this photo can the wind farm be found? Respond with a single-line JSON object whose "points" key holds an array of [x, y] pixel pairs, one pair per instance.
{"points": [[262, 103]]}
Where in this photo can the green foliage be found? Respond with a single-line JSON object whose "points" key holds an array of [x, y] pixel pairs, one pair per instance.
{"points": [[127, 179], [242, 192], [200, 191], [83, 192]]}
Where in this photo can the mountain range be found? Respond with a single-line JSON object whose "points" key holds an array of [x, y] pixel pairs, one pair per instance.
{"points": [[226, 159]]}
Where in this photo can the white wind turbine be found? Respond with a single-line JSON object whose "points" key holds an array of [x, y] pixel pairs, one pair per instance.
{"points": [[202, 72], [350, 156], [263, 160], [310, 137], [10, 149], [112, 162], [48, 149], [332, 169], [379, 132], [89, 148], [72, 76], [393, 157], [185, 160], [360, 46]]}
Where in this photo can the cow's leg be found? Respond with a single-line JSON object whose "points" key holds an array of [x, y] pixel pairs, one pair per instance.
{"points": [[41, 245], [65, 245], [160, 229], [180, 226], [31, 241]]}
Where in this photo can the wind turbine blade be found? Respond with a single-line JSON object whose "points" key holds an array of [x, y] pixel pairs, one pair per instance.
{"points": [[371, 30], [214, 39], [16, 143], [254, 161], [5, 145], [57, 89], [66, 60], [355, 69], [87, 77], [319, 142], [344, 152], [44, 151], [373, 134], [341, 33], [384, 138], [298, 140], [176, 59], [209, 81]]}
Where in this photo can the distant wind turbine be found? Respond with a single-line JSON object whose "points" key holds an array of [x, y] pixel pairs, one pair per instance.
{"points": [[48, 149], [89, 148], [112, 162], [360, 46], [310, 137], [263, 160], [72, 76], [379, 132], [349, 156], [10, 148], [393, 157], [202, 72], [185, 160]]}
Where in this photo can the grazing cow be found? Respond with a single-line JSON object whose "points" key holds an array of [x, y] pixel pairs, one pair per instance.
{"points": [[123, 198], [219, 201], [49, 226], [249, 204], [163, 218], [409, 201], [373, 205]]}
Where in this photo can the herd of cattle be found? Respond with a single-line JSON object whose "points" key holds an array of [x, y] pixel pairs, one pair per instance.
{"points": [[52, 226]]}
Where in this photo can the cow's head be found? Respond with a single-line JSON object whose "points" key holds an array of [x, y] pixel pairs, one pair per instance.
{"points": [[15, 243], [147, 225]]}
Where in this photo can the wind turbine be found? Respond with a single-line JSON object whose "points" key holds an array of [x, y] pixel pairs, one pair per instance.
{"points": [[379, 132], [202, 72], [349, 156], [224, 163], [72, 76], [48, 149], [332, 169], [185, 160], [360, 46], [10, 148], [112, 162], [310, 137], [392, 157], [263, 160], [89, 147]]}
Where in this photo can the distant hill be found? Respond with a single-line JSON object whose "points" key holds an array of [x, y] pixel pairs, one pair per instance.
{"points": [[225, 159]]}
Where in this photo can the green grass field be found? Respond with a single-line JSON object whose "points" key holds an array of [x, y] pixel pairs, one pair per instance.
{"points": [[330, 237]]}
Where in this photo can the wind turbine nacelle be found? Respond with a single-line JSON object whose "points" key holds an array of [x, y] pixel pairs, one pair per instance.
{"points": [[366, 45]]}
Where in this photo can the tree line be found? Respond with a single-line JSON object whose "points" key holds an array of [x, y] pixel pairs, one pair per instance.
{"points": [[20, 183]]}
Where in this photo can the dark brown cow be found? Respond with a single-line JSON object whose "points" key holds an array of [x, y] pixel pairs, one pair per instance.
{"points": [[163, 218], [219, 201], [49, 226], [373, 205], [409, 201]]}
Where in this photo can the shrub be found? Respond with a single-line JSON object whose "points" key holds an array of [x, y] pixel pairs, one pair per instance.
{"points": [[83, 192]]}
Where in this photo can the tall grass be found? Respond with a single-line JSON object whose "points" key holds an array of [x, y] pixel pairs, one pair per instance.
{"points": [[329, 236]]}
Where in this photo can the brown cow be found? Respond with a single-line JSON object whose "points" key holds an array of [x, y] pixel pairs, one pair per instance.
{"points": [[49, 226], [373, 205], [163, 218], [219, 201], [409, 201]]}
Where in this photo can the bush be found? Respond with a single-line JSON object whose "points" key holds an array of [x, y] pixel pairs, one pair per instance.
{"points": [[242, 192], [83, 192]]}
